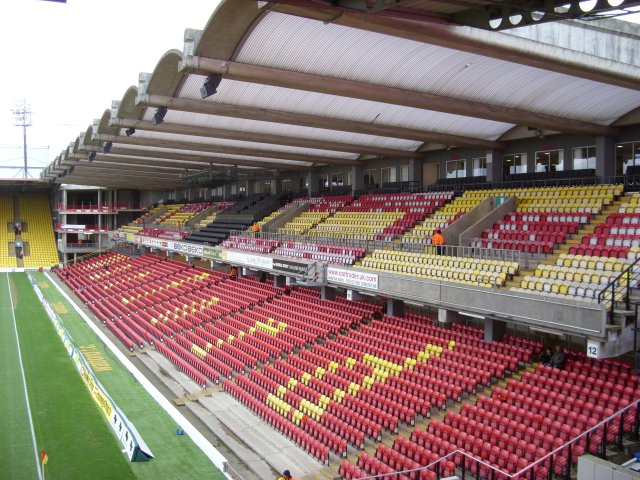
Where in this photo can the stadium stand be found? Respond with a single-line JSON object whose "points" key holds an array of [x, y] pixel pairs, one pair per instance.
{"points": [[6, 232], [35, 213]]}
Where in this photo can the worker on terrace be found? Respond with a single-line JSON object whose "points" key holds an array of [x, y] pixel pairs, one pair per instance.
{"points": [[286, 475], [255, 228], [438, 240]]}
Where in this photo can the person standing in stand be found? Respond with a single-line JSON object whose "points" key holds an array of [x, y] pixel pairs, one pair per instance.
{"points": [[438, 240]]}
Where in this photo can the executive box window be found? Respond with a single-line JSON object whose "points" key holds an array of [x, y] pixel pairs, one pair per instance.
{"points": [[584, 157], [388, 175], [480, 167], [286, 185], [337, 179], [370, 177], [627, 155], [456, 168], [515, 163], [267, 187], [404, 173], [323, 181], [550, 161]]}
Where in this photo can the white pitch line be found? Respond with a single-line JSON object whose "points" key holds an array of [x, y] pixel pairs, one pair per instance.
{"points": [[24, 383]]}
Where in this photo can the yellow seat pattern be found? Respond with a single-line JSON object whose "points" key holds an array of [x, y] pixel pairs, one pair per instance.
{"points": [[35, 211]]}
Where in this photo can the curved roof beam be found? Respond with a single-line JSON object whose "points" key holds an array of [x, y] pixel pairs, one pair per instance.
{"points": [[288, 118], [347, 88], [147, 156], [260, 138], [473, 40], [202, 147]]}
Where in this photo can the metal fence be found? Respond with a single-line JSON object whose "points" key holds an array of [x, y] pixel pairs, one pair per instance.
{"points": [[371, 245], [555, 464]]}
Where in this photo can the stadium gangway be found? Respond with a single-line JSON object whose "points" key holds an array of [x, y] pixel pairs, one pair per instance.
{"points": [[371, 245], [597, 432], [620, 289]]}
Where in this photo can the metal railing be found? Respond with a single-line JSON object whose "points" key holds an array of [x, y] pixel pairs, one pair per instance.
{"points": [[371, 245], [483, 470], [619, 289]]}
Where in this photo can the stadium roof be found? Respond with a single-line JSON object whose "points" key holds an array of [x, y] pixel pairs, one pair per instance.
{"points": [[303, 84]]}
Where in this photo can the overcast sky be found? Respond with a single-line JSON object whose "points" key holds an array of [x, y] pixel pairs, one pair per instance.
{"points": [[69, 61]]}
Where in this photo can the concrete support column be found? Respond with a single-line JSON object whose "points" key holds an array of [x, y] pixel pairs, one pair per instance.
{"points": [[226, 191], [395, 307], [99, 197], [605, 157], [276, 186], [327, 293], [312, 179], [295, 185], [279, 281], [357, 177], [448, 317], [494, 329], [64, 199], [250, 189], [415, 170], [495, 166]]}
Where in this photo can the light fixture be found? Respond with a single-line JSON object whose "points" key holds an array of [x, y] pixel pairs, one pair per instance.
{"points": [[107, 147], [472, 315], [210, 85], [92, 156], [130, 131], [158, 117]]}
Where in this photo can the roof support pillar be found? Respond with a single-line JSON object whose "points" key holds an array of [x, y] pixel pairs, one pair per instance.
{"points": [[357, 178], [605, 156], [312, 181], [495, 166], [415, 171]]}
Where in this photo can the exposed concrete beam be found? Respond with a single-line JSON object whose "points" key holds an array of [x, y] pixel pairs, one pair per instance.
{"points": [[473, 40], [336, 124], [378, 93], [108, 181], [122, 171], [261, 138], [201, 147], [151, 155]]}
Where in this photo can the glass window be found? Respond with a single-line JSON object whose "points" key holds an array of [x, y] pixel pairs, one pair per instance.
{"points": [[337, 179], [267, 187], [515, 163], [627, 155], [370, 177], [584, 157], [286, 185], [242, 189], [304, 182], [404, 173], [480, 167], [323, 181], [550, 161], [388, 175], [456, 169]]}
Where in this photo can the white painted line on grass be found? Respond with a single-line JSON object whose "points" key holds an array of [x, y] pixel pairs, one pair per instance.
{"points": [[24, 383], [200, 440]]}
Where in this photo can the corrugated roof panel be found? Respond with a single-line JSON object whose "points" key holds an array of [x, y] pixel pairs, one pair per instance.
{"points": [[311, 46], [209, 155], [332, 106], [243, 125], [240, 144]]}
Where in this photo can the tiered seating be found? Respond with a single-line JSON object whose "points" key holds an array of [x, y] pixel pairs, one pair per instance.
{"points": [[218, 230], [420, 357], [185, 213], [331, 204], [6, 232], [323, 253], [531, 232], [36, 213], [442, 218], [221, 207], [583, 199], [303, 222], [250, 244], [361, 225], [168, 213], [471, 271]]}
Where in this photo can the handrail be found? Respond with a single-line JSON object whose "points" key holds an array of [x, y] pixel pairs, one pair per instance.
{"points": [[616, 286], [371, 245], [498, 473]]}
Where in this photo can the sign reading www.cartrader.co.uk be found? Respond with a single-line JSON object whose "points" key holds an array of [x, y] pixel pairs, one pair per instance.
{"points": [[352, 277]]}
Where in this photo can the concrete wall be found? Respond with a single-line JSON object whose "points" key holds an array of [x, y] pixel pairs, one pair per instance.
{"points": [[594, 468], [484, 222]]}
